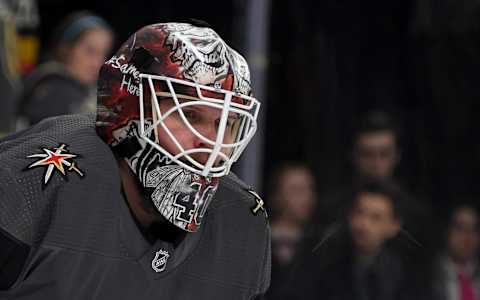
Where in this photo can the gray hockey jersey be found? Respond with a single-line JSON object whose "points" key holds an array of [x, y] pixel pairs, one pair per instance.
{"points": [[61, 199]]}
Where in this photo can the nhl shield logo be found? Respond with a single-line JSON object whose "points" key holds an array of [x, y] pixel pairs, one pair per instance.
{"points": [[159, 262]]}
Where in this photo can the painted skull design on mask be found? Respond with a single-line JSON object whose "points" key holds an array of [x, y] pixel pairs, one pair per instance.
{"points": [[204, 59]]}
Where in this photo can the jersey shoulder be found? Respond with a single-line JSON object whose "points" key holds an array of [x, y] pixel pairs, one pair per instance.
{"points": [[240, 215], [40, 162], [25, 203], [65, 127], [232, 190]]}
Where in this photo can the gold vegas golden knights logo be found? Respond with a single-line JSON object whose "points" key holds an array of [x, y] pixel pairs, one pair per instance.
{"points": [[58, 159]]}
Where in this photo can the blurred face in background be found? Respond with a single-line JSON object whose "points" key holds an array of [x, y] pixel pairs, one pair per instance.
{"points": [[372, 221], [376, 154], [296, 195], [87, 54], [462, 236]]}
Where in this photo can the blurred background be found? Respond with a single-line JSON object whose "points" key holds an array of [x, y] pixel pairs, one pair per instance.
{"points": [[367, 156]]}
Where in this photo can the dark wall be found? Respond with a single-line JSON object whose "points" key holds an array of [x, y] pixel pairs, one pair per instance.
{"points": [[127, 16]]}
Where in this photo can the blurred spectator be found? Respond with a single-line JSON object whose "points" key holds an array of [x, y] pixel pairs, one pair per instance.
{"points": [[374, 219], [376, 147], [79, 48], [375, 153], [457, 273], [292, 198], [357, 261]]}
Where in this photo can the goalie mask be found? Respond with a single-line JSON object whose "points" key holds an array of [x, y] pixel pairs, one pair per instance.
{"points": [[175, 102]]}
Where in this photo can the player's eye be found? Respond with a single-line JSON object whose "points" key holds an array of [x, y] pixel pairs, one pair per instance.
{"points": [[229, 125], [191, 115], [233, 121]]}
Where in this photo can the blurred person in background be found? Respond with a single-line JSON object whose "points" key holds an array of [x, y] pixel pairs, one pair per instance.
{"points": [[457, 272], [376, 148], [358, 262], [292, 198], [375, 156], [66, 83]]}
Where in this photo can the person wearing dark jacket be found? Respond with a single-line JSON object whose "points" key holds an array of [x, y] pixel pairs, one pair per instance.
{"points": [[357, 259], [65, 84], [457, 272]]}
